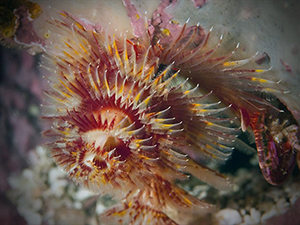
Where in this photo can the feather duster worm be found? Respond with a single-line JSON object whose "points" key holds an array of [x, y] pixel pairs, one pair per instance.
{"points": [[245, 89], [128, 122], [124, 123]]}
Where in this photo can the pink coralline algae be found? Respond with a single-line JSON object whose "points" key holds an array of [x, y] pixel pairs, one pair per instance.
{"points": [[16, 24], [133, 114]]}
